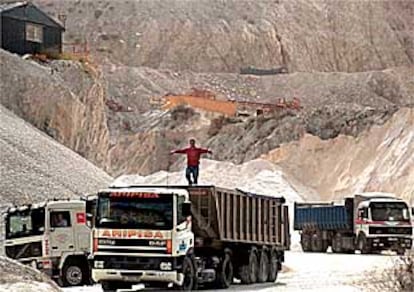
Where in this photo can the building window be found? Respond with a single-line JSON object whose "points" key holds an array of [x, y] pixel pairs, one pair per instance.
{"points": [[34, 33]]}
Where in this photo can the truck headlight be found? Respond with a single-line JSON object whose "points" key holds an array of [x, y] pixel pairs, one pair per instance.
{"points": [[99, 264], [105, 241], [165, 266]]}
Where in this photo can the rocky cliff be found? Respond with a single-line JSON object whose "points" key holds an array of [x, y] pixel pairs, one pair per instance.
{"points": [[65, 99], [225, 35], [380, 159]]}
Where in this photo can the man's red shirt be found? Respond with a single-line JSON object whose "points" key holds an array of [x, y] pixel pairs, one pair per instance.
{"points": [[193, 154]]}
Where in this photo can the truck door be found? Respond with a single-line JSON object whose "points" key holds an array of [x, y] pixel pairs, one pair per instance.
{"points": [[184, 236], [362, 217], [61, 232]]}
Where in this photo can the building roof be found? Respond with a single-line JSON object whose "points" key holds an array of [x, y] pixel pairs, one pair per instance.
{"points": [[5, 7], [11, 5]]}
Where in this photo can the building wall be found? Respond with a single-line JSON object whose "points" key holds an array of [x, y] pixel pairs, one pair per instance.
{"points": [[13, 35], [217, 106]]}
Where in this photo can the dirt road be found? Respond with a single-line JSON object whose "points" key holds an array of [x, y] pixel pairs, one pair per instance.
{"points": [[315, 272]]}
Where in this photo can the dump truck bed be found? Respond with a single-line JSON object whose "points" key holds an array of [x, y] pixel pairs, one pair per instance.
{"points": [[237, 216], [321, 216]]}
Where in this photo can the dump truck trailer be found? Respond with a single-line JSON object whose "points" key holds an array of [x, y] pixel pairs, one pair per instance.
{"points": [[187, 237], [368, 222]]}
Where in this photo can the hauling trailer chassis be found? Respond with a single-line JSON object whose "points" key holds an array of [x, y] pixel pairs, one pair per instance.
{"points": [[236, 234]]}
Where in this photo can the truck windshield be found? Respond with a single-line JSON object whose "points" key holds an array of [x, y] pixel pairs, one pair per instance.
{"points": [[135, 213], [25, 223], [390, 212]]}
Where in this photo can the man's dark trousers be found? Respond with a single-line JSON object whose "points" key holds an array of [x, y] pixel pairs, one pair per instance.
{"points": [[192, 170]]}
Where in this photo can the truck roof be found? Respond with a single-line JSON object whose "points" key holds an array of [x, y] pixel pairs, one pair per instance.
{"points": [[184, 188], [380, 200], [376, 194], [51, 203], [181, 190]]}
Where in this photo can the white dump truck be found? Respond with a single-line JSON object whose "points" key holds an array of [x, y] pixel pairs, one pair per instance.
{"points": [[187, 237], [368, 222], [53, 236]]}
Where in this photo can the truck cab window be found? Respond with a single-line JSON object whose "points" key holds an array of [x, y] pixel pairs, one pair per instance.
{"points": [[25, 223], [180, 217], [60, 219], [390, 211]]}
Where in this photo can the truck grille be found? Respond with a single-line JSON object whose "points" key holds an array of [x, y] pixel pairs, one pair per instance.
{"points": [[26, 250], [391, 230], [133, 263], [132, 246]]}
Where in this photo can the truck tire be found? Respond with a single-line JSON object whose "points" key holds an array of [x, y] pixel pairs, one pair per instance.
{"points": [[273, 267], [400, 251], [263, 266], [113, 286], [248, 273], [363, 244], [306, 243], [74, 273], [337, 243], [190, 274], [224, 273], [316, 243]]}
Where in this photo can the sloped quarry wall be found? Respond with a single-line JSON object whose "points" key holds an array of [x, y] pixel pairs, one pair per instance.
{"points": [[62, 99], [380, 159], [225, 35]]}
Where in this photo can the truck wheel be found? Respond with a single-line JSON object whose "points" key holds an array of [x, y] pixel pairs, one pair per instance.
{"points": [[273, 267], [400, 251], [263, 267], [74, 273], [305, 242], [337, 243], [224, 273], [316, 243], [248, 273], [113, 286], [363, 245], [190, 274]]}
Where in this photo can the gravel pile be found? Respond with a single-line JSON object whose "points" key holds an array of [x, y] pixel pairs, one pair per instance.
{"points": [[11, 278], [34, 167]]}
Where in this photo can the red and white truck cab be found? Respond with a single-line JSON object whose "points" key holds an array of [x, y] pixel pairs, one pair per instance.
{"points": [[382, 222]]}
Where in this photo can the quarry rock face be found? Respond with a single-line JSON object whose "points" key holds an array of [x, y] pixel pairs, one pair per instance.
{"points": [[379, 159], [350, 64], [226, 35], [62, 99]]}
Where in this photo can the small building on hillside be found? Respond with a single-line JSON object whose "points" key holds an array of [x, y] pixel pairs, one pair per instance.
{"points": [[25, 29]]}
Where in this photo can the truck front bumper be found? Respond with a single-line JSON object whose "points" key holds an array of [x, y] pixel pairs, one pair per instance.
{"points": [[137, 276], [391, 242]]}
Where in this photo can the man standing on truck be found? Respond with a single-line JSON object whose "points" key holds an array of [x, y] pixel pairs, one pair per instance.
{"points": [[193, 160]]}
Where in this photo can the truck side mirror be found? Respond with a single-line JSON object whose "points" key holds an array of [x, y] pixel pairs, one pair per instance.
{"points": [[361, 214], [89, 218], [186, 209]]}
